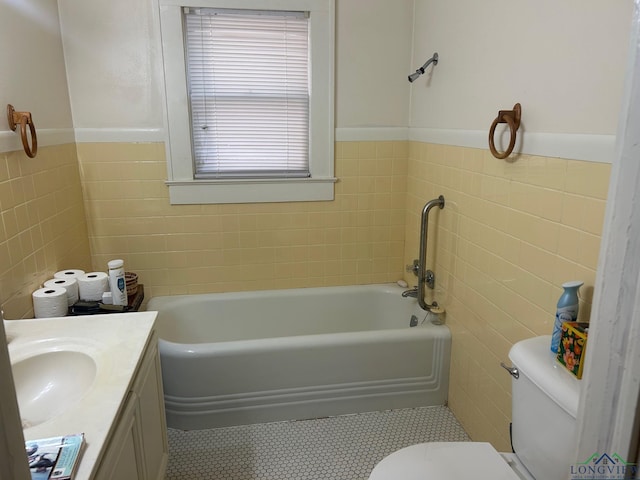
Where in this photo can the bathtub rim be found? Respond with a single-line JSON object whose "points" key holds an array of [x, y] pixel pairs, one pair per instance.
{"points": [[239, 295], [298, 341], [172, 303]]}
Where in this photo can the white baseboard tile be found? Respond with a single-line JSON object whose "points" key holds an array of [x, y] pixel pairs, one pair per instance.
{"points": [[11, 141], [120, 135], [592, 148], [371, 134]]}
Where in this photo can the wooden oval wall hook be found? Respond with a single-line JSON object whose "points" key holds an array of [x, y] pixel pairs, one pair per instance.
{"points": [[511, 118], [23, 119]]}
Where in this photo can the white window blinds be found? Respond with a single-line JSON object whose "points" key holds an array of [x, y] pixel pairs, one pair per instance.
{"points": [[248, 84]]}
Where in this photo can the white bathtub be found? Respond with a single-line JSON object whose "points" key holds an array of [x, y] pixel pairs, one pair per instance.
{"points": [[239, 358]]}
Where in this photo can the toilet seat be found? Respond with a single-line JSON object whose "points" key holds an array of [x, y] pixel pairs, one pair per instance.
{"points": [[444, 461]]}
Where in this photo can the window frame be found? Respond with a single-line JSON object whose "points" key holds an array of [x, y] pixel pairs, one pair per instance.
{"points": [[183, 187]]}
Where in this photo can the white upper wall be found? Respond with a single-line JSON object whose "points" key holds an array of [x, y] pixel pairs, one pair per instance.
{"points": [[373, 57], [113, 58], [33, 74], [564, 61]]}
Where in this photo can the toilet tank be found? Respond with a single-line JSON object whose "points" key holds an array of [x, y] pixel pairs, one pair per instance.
{"points": [[544, 406]]}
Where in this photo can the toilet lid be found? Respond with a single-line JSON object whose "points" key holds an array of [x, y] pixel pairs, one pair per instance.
{"points": [[444, 461]]}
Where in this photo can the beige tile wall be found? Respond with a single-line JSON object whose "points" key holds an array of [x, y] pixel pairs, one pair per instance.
{"points": [[510, 234], [356, 239], [43, 227]]}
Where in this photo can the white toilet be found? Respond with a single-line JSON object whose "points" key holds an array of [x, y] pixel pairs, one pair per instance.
{"points": [[544, 406]]}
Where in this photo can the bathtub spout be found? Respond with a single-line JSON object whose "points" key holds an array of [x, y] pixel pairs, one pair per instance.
{"points": [[429, 307], [412, 292]]}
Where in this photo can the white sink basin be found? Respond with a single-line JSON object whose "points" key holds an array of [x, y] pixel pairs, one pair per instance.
{"points": [[49, 383]]}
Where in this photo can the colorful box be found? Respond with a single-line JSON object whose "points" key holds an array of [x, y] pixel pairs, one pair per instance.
{"points": [[573, 345]]}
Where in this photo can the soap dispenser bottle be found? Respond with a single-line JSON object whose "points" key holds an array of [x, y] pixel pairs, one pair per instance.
{"points": [[566, 311], [117, 282]]}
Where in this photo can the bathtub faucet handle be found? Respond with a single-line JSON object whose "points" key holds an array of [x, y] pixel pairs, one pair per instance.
{"points": [[430, 279], [413, 268]]}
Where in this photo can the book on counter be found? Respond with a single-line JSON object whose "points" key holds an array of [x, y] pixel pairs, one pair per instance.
{"points": [[54, 458]]}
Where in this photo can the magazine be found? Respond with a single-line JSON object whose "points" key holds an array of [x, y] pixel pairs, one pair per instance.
{"points": [[54, 458]]}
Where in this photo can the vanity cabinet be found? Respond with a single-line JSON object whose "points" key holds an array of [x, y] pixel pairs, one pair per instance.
{"points": [[121, 458], [137, 449]]}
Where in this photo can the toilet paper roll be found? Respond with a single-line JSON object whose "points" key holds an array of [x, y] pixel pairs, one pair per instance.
{"points": [[92, 285], [68, 274], [69, 284], [50, 302]]}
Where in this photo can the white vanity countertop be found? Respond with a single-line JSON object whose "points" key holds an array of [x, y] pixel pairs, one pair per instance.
{"points": [[116, 342]]}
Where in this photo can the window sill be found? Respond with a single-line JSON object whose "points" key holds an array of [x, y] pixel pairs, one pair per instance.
{"points": [[251, 191]]}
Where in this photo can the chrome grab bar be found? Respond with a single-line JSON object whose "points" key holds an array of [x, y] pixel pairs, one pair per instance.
{"points": [[422, 260]]}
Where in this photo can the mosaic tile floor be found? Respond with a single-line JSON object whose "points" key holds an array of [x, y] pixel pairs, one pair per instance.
{"points": [[335, 448]]}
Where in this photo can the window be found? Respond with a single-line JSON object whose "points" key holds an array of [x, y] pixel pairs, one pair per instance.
{"points": [[248, 85], [249, 100]]}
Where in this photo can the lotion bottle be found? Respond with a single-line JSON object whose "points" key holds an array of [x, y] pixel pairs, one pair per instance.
{"points": [[566, 311], [117, 282]]}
